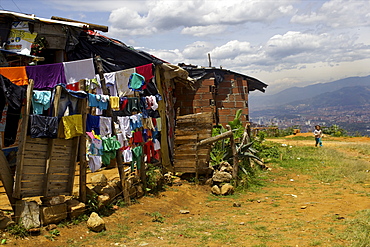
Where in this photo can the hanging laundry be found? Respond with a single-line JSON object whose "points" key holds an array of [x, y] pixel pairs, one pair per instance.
{"points": [[92, 84], [133, 105], [152, 102], [137, 152], [43, 126], [151, 89], [40, 101], [123, 101], [94, 162], [127, 155], [110, 146], [3, 113], [148, 123], [159, 123], [73, 86], [143, 107], [46, 76], [96, 146], [16, 75], [99, 100], [72, 126], [121, 138], [77, 70], [105, 126], [153, 114], [93, 124], [69, 100], [114, 103], [13, 95], [157, 145], [110, 82], [146, 71], [149, 151], [136, 121], [122, 81], [136, 82], [138, 137], [124, 123], [147, 134], [110, 143]]}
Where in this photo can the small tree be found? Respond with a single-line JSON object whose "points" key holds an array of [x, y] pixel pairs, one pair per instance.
{"points": [[334, 130]]}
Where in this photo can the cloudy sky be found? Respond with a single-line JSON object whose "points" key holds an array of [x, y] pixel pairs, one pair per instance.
{"points": [[282, 43]]}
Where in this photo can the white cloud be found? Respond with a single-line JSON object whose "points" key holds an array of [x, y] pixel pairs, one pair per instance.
{"points": [[337, 14], [197, 50], [94, 6], [292, 50], [200, 31], [195, 17], [171, 56], [232, 49]]}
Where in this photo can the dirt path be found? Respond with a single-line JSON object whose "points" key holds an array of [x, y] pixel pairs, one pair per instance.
{"points": [[291, 210]]}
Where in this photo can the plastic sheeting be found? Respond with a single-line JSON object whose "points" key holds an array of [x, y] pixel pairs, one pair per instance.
{"points": [[114, 54]]}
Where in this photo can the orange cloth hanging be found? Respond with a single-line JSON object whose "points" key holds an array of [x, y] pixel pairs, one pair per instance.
{"points": [[16, 75]]}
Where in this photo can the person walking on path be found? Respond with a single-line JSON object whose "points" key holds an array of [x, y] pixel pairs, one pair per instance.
{"points": [[318, 135]]}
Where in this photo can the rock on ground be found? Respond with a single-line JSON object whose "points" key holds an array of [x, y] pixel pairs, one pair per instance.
{"points": [[99, 179], [216, 190], [227, 189], [222, 177], [75, 208], [53, 214], [95, 223]]}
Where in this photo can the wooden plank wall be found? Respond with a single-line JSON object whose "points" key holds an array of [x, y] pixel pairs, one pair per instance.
{"points": [[190, 129], [45, 167], [59, 178]]}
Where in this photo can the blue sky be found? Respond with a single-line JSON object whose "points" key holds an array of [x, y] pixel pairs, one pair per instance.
{"points": [[283, 43]]}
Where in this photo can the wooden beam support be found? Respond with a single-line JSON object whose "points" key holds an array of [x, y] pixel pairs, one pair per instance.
{"points": [[91, 26], [109, 113], [235, 157], [51, 142], [213, 139], [7, 179], [82, 150], [22, 146], [165, 155]]}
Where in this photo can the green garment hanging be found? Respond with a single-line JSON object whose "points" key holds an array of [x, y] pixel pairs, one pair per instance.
{"points": [[136, 157]]}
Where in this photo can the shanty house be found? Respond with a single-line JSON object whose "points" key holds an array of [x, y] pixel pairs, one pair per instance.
{"points": [[219, 91]]}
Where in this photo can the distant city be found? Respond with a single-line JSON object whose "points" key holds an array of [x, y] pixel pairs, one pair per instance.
{"points": [[355, 121]]}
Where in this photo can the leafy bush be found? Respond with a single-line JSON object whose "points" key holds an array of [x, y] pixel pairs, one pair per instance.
{"points": [[18, 230], [334, 130]]}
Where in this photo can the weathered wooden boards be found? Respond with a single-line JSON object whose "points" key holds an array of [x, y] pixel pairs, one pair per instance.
{"points": [[190, 129], [38, 179], [45, 167]]}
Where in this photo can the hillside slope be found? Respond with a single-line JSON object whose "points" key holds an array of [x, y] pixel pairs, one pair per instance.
{"points": [[258, 102]]}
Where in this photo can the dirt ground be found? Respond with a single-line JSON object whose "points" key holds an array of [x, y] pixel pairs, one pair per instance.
{"points": [[295, 210]]}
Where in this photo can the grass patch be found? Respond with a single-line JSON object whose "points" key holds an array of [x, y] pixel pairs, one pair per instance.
{"points": [[358, 231], [360, 148]]}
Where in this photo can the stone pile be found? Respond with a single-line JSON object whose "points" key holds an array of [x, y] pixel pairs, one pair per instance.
{"points": [[220, 181]]}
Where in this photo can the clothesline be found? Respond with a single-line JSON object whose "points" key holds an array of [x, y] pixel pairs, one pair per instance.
{"points": [[70, 73]]}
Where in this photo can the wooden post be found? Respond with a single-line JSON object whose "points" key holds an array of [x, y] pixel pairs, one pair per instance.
{"points": [[7, 179], [235, 157], [165, 156], [213, 139], [22, 146], [109, 111], [82, 150], [197, 160], [51, 143], [143, 171]]}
